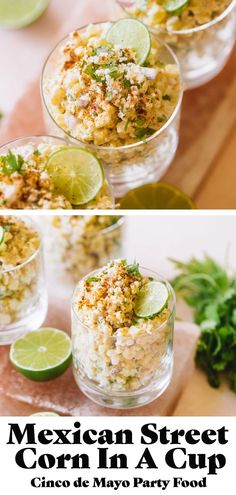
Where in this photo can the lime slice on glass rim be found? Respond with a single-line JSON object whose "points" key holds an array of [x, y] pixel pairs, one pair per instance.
{"points": [[131, 33], [16, 14], [42, 355], [151, 300], [76, 173], [175, 6]]}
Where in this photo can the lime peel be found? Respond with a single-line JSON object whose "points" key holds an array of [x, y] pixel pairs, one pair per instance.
{"points": [[131, 33], [152, 299], [175, 6]]}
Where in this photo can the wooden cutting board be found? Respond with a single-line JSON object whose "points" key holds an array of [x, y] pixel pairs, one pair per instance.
{"points": [[22, 396], [208, 121]]}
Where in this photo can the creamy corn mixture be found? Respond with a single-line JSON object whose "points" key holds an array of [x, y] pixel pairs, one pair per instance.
{"points": [[19, 241], [101, 95], [84, 243], [115, 349], [26, 184], [193, 14]]}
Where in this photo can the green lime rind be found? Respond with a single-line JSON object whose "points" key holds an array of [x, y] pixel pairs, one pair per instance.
{"points": [[151, 300], [131, 33], [175, 6], [76, 173], [16, 14], [42, 355]]}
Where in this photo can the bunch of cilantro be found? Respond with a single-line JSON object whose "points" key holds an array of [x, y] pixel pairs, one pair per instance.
{"points": [[207, 287]]}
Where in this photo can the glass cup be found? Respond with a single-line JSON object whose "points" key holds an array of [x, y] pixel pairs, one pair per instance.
{"points": [[107, 195], [81, 251], [144, 362], [202, 51], [127, 166], [23, 300]]}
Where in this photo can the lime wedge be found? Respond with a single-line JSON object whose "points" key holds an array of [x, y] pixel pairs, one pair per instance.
{"points": [[76, 173], [45, 413], [175, 6], [131, 33], [2, 231], [156, 196], [151, 300], [42, 355], [16, 14]]}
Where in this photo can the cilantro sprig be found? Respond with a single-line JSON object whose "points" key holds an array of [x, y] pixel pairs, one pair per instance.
{"points": [[133, 269], [11, 163], [206, 286]]}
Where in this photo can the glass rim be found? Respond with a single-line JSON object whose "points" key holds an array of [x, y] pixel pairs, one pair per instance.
{"points": [[128, 146], [196, 29], [36, 252], [103, 231], [157, 275], [32, 136]]}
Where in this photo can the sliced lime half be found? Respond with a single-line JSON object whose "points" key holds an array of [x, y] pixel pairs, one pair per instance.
{"points": [[16, 14], [131, 33], [151, 300], [175, 6], [42, 355], [76, 173]]}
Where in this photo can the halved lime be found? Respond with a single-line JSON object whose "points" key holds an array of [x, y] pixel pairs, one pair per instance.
{"points": [[42, 355], [156, 196], [151, 300], [16, 14], [76, 173], [175, 6], [131, 33], [45, 413]]}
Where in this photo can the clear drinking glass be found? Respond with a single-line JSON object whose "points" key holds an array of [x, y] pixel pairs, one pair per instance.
{"points": [[202, 51], [148, 356], [105, 198], [127, 166], [23, 294], [81, 251]]}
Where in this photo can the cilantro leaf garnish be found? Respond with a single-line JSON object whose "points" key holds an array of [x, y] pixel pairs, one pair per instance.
{"points": [[36, 153], [133, 269], [144, 132], [92, 279], [11, 163], [91, 71]]}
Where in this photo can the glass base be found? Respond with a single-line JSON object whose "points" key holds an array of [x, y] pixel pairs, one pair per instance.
{"points": [[31, 321], [196, 78], [152, 169], [124, 400]]}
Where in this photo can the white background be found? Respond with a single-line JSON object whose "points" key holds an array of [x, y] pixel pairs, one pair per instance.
{"points": [[153, 239]]}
